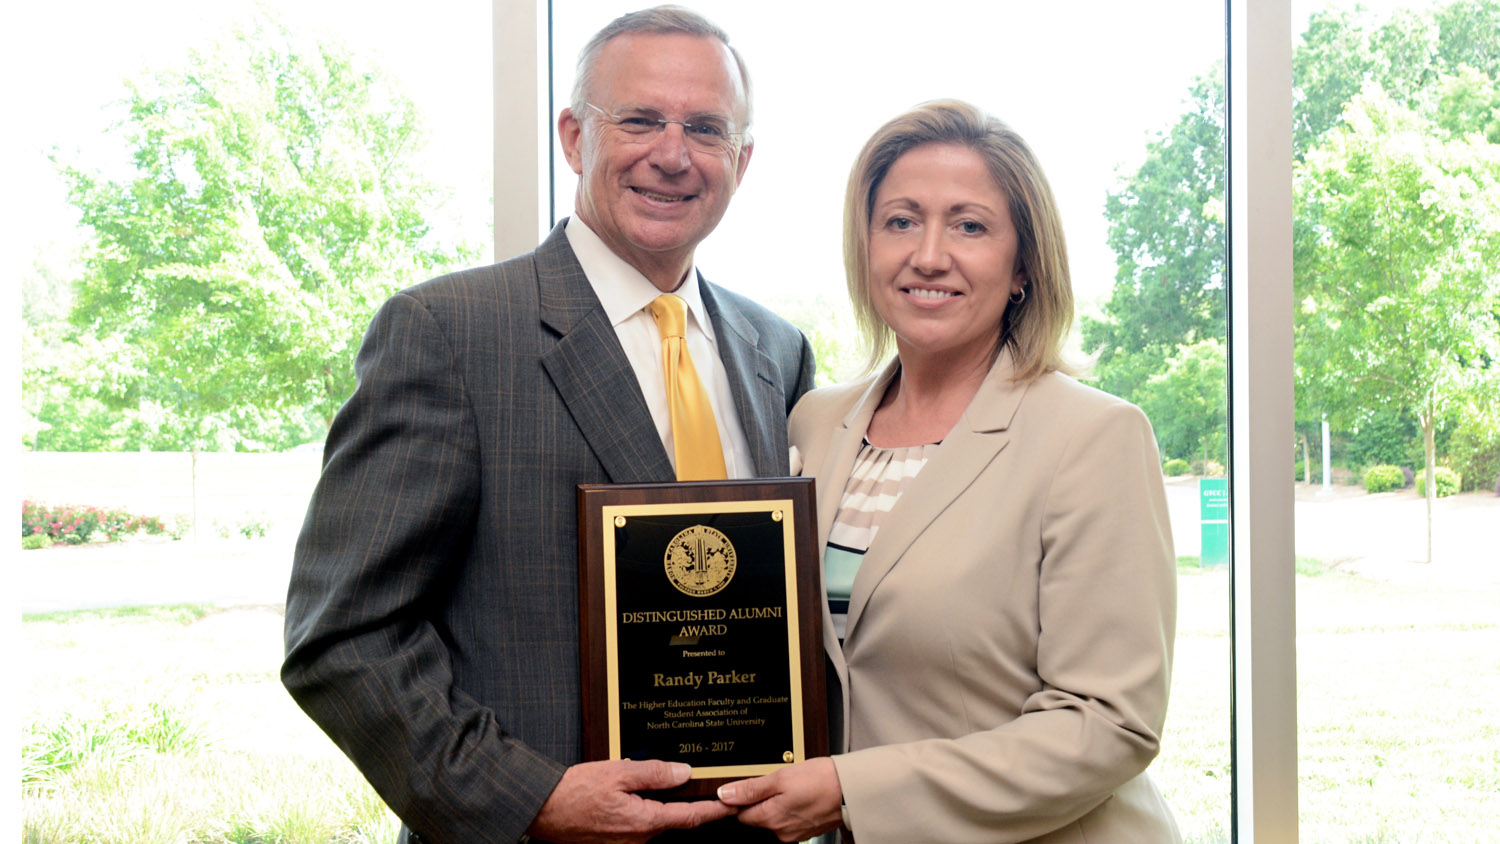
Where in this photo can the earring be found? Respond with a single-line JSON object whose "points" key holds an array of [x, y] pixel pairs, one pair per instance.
{"points": [[1015, 301]]}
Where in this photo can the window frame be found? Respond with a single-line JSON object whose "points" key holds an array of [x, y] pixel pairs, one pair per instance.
{"points": [[523, 131], [1263, 709], [1263, 675]]}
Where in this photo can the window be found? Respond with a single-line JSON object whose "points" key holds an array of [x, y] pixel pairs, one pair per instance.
{"points": [[825, 76], [387, 120], [1397, 602], [103, 691]]}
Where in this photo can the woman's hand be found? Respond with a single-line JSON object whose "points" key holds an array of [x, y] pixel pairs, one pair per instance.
{"points": [[796, 803]]}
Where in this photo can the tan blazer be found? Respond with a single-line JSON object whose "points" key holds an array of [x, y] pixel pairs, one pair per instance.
{"points": [[1008, 651]]}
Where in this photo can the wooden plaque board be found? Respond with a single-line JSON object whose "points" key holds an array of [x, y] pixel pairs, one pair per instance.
{"points": [[701, 626]]}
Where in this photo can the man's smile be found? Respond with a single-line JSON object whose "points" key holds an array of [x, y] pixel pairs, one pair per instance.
{"points": [[663, 197]]}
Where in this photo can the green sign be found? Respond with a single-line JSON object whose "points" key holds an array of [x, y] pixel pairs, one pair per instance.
{"points": [[1213, 515]]}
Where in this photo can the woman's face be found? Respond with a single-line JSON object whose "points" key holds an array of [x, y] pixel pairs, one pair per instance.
{"points": [[942, 255]]}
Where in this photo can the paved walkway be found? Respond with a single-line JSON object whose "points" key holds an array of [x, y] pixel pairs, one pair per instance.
{"points": [[1379, 536], [155, 572], [1384, 536]]}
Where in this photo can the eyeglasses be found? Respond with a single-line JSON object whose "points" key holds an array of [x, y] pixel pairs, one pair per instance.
{"points": [[706, 134]]}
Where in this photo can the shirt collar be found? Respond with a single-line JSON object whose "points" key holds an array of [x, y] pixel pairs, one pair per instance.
{"points": [[621, 288]]}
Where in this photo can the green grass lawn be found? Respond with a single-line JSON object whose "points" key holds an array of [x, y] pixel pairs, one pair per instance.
{"points": [[169, 724], [1397, 731]]}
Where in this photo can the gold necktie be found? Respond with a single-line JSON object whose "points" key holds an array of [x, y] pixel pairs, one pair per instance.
{"points": [[695, 435]]}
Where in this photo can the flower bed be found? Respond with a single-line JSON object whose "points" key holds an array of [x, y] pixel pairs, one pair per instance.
{"points": [[76, 525]]}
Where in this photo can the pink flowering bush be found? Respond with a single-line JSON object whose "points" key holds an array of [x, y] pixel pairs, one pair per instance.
{"points": [[76, 525]]}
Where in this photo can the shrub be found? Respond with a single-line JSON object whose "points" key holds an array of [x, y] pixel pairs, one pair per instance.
{"points": [[250, 526], [1385, 438], [1384, 478], [1174, 467], [76, 525], [35, 541], [64, 524], [1474, 452], [1448, 481], [179, 526], [1210, 469]]}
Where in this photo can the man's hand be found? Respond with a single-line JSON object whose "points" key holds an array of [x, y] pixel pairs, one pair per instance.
{"points": [[796, 803], [595, 803]]}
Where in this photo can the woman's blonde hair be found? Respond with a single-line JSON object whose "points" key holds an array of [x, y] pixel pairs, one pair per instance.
{"points": [[1035, 329]]}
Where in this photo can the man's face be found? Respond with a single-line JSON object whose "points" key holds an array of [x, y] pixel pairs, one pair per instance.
{"points": [[652, 198]]}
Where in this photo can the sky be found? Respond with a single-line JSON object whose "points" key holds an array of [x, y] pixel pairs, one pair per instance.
{"points": [[1088, 84]]}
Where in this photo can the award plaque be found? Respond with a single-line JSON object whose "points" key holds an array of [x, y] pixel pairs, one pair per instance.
{"points": [[701, 626]]}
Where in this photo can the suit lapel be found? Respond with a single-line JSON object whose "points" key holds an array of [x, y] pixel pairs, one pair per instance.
{"points": [[760, 403], [980, 434], [590, 371]]}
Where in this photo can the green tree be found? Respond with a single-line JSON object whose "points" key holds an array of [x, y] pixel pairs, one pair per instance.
{"points": [[1441, 64], [1167, 232], [1186, 402], [1384, 436], [1343, 50], [65, 372], [272, 205], [1469, 35], [1166, 217], [1474, 447], [1468, 102], [1328, 68], [1397, 266]]}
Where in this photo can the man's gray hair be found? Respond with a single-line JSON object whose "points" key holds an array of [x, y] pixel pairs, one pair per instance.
{"points": [[657, 20]]}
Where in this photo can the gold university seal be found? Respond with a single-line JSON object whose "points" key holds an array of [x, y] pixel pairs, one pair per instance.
{"points": [[699, 561]]}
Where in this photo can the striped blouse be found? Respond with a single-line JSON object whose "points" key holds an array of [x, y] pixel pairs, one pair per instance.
{"points": [[879, 477]]}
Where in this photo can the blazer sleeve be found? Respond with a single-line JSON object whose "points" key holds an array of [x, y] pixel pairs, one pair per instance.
{"points": [[1107, 615], [391, 518]]}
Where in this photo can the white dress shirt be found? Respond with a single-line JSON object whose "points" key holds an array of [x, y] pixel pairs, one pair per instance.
{"points": [[625, 294]]}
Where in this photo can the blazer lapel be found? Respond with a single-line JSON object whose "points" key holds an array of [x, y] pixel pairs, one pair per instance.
{"points": [[590, 370], [980, 434], [843, 448], [758, 399], [833, 471]]}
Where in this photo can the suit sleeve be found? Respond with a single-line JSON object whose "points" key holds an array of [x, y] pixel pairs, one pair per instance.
{"points": [[389, 522], [1107, 609], [807, 370]]}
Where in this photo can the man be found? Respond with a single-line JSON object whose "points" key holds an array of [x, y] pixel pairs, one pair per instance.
{"points": [[432, 618]]}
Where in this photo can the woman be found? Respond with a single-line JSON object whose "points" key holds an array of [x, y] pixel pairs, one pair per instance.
{"points": [[996, 533]]}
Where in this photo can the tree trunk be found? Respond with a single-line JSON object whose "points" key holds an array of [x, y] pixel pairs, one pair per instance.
{"points": [[1429, 443], [1306, 460], [195, 492]]}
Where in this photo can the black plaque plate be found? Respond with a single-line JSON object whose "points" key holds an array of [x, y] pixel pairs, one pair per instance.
{"points": [[701, 626]]}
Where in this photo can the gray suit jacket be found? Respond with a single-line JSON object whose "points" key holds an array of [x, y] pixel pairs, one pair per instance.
{"points": [[432, 617], [1007, 656]]}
